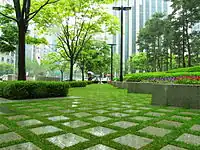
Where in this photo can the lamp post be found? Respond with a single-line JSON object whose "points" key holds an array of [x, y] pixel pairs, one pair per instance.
{"points": [[122, 8], [111, 69]]}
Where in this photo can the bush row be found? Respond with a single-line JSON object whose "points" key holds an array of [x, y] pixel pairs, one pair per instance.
{"points": [[188, 69], [77, 83], [37, 89], [138, 77], [31, 89], [187, 81]]}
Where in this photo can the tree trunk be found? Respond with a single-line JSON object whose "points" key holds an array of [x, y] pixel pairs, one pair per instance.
{"points": [[170, 58], [61, 75], [71, 69], [21, 51], [188, 46], [82, 72], [183, 50]]}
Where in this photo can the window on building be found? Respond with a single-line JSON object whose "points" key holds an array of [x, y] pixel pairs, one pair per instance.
{"points": [[12, 61], [8, 60], [7, 53], [2, 59]]}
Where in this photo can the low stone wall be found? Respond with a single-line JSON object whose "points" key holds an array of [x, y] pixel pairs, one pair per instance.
{"points": [[139, 87], [179, 95], [121, 85]]}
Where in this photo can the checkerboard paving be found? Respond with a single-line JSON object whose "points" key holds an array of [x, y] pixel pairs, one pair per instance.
{"points": [[101, 124]]}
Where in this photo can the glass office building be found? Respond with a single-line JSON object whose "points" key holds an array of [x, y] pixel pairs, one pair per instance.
{"points": [[134, 20]]}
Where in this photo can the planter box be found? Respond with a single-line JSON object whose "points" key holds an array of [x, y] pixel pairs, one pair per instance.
{"points": [[139, 87], [121, 85], [179, 95]]}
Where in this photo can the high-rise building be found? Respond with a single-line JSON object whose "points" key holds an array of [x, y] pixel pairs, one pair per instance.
{"points": [[134, 20], [7, 57]]}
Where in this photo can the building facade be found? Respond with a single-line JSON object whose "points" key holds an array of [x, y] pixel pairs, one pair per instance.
{"points": [[134, 20]]}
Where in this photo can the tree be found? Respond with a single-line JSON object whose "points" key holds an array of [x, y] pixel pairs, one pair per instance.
{"points": [[99, 57], [116, 64], [56, 62], [6, 68], [23, 15], [139, 61], [81, 24], [34, 69]]}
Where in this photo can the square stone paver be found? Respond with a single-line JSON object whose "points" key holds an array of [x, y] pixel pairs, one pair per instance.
{"points": [[66, 140], [17, 117], [100, 119], [127, 106], [82, 114], [119, 114], [113, 108], [34, 110], [100, 147], [58, 118], [141, 118], [99, 131], [181, 117], [155, 131], [7, 137], [44, 114], [133, 141], [67, 111], [170, 123], [124, 124], [23, 146], [45, 130], [165, 110], [75, 124], [144, 108], [172, 147], [100, 111], [132, 111], [30, 122], [195, 127], [189, 113], [155, 114], [3, 127], [189, 139]]}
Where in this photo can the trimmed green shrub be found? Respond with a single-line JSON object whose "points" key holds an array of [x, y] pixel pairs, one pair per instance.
{"points": [[77, 83], [138, 77], [187, 81], [31, 89], [188, 69], [2, 85]]}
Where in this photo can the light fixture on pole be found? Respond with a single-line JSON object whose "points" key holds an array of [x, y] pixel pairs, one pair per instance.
{"points": [[122, 8], [111, 69]]}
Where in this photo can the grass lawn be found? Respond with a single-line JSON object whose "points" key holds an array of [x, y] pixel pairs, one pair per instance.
{"points": [[104, 118]]}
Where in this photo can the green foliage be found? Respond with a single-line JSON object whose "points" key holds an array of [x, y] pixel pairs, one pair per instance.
{"points": [[187, 81], [139, 61], [73, 84], [30, 89], [188, 69], [34, 69], [6, 68], [137, 77]]}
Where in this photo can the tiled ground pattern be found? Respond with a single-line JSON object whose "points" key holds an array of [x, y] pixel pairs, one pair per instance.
{"points": [[119, 125]]}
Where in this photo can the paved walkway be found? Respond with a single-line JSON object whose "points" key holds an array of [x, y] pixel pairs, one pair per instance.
{"points": [[103, 125]]}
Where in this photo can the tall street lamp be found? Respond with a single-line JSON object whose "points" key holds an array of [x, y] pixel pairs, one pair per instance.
{"points": [[111, 69], [122, 8]]}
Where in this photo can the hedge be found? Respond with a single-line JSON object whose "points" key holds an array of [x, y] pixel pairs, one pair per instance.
{"points": [[187, 81], [77, 83], [33, 89], [188, 69], [138, 77]]}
